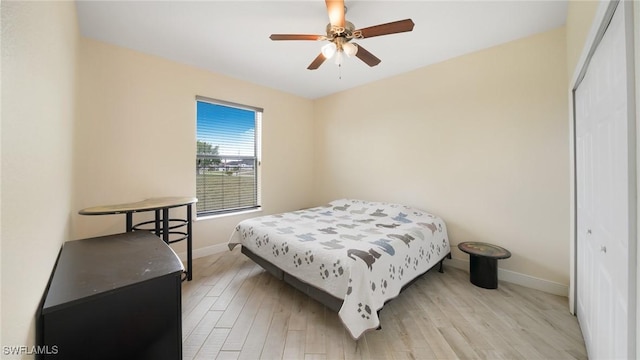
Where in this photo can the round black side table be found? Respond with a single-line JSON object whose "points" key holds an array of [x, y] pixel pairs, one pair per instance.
{"points": [[483, 262]]}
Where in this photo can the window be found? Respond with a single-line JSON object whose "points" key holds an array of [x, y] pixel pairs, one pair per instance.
{"points": [[227, 157]]}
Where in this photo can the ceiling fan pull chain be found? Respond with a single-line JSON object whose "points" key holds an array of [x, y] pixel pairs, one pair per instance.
{"points": [[339, 71]]}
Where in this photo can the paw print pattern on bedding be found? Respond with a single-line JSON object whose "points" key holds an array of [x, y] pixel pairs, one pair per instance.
{"points": [[281, 249], [308, 257], [297, 261], [383, 285], [338, 270], [364, 311], [324, 272], [275, 250], [262, 240], [245, 233], [407, 261]]}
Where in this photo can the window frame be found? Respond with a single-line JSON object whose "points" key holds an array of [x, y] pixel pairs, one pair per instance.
{"points": [[257, 143]]}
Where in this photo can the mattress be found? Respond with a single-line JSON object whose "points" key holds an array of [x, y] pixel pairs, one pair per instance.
{"points": [[359, 251]]}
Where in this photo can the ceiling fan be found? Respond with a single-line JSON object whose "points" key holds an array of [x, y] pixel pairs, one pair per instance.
{"points": [[340, 34]]}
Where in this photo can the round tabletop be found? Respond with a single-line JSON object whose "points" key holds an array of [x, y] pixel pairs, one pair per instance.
{"points": [[484, 249], [145, 205]]}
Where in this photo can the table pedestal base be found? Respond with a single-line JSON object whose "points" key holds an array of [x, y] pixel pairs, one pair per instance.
{"points": [[483, 271]]}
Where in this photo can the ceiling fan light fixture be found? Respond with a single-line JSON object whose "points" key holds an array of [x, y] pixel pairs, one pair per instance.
{"points": [[329, 50], [350, 49]]}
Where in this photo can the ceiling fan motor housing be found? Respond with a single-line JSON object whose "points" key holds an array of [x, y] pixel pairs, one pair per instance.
{"points": [[348, 32]]}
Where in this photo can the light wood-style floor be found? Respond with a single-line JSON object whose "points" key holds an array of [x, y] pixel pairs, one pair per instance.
{"points": [[234, 310]]}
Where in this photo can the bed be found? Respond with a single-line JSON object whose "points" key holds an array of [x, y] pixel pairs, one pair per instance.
{"points": [[351, 255]]}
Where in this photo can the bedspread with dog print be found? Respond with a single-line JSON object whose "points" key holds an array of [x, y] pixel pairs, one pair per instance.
{"points": [[359, 251]]}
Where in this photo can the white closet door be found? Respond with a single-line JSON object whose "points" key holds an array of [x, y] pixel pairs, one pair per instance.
{"points": [[602, 196]]}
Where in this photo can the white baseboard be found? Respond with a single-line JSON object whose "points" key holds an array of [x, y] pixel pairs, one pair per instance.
{"points": [[518, 278], [503, 275]]}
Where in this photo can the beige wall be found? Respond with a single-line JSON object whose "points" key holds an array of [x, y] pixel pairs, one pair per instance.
{"points": [[580, 15], [481, 140], [136, 138], [39, 42]]}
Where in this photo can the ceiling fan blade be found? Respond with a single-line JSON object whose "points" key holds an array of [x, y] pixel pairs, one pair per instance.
{"points": [[367, 57], [335, 9], [388, 28], [276, 37], [316, 62]]}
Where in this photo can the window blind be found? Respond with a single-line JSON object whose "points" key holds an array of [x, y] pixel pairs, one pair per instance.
{"points": [[227, 157]]}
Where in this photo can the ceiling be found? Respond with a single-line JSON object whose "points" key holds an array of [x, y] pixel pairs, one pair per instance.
{"points": [[232, 37]]}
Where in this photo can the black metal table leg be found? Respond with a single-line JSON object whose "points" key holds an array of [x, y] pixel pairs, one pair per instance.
{"points": [[158, 228], [189, 245], [129, 225], [165, 225]]}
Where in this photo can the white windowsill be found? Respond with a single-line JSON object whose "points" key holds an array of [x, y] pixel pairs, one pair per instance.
{"points": [[218, 216]]}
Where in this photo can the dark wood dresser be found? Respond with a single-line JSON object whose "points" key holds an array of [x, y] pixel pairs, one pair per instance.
{"points": [[113, 297]]}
